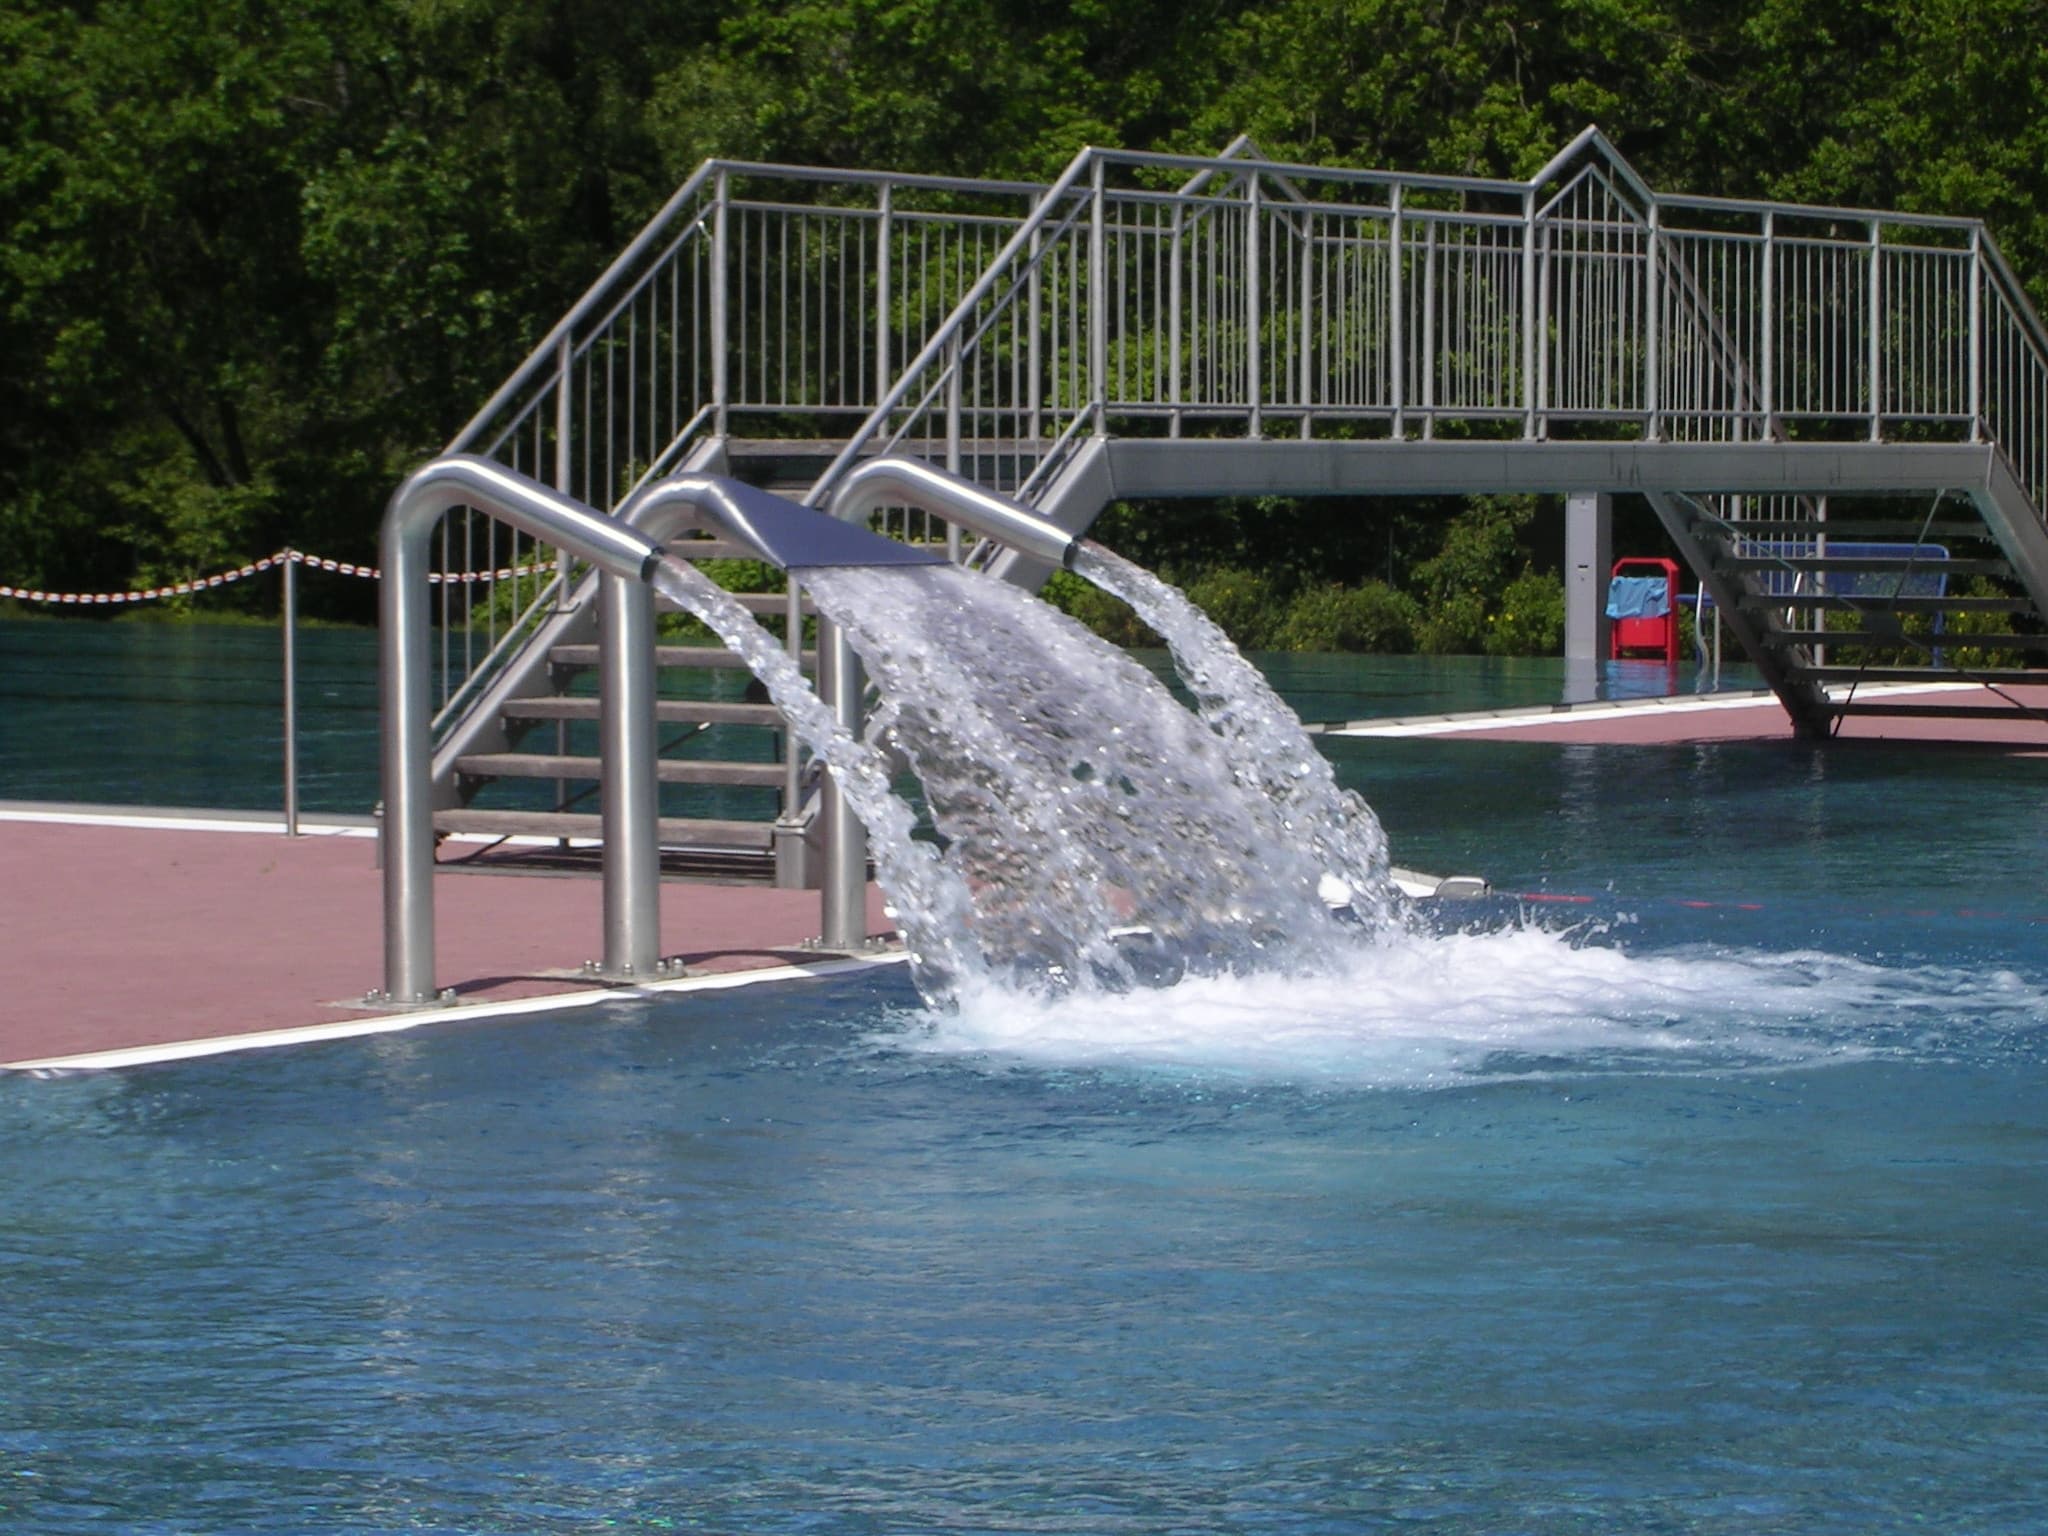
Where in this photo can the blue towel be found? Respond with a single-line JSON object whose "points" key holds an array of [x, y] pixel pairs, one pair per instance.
{"points": [[1638, 597]]}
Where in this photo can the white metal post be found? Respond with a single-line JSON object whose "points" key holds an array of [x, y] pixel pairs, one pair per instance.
{"points": [[721, 319], [955, 358], [1098, 306], [1254, 309], [1876, 341], [1397, 315], [1305, 372], [1529, 313], [885, 286], [1429, 331], [1653, 305], [1767, 341], [1976, 335], [1034, 383], [1174, 303], [290, 618]]}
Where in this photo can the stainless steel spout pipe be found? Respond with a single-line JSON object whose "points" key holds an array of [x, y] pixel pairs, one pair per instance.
{"points": [[627, 558]]}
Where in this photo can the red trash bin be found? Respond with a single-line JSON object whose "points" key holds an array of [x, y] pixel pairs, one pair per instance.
{"points": [[1642, 622]]}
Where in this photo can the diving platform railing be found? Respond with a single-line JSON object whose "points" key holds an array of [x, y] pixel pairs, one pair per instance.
{"points": [[992, 327], [1132, 326]]}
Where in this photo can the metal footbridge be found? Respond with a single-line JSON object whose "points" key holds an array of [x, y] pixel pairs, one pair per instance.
{"points": [[1770, 377]]}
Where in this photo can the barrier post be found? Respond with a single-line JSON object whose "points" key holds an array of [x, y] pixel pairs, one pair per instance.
{"points": [[290, 621]]}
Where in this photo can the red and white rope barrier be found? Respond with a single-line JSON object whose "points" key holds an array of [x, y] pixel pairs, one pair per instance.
{"points": [[256, 567]]}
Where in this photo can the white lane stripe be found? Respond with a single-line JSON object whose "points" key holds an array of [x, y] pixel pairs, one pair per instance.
{"points": [[1508, 720], [386, 1024], [159, 821]]}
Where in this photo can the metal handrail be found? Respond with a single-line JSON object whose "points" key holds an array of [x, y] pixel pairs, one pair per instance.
{"points": [[935, 347]]}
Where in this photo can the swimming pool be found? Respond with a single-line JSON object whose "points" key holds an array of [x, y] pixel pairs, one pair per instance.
{"points": [[1710, 1199]]}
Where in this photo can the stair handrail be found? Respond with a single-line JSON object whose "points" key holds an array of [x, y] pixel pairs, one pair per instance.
{"points": [[545, 350], [950, 329], [538, 422]]}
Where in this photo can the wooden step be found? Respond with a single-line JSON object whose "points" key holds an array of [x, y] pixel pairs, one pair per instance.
{"points": [[675, 711], [676, 831], [699, 657], [670, 770]]}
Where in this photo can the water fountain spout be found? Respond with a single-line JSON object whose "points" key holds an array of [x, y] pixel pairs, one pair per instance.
{"points": [[786, 535], [913, 483]]}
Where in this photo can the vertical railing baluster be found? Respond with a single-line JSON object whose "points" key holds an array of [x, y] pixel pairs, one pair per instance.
{"points": [[885, 277], [1098, 318], [1976, 383], [1397, 364], [1308, 247], [1653, 316], [1428, 353], [1174, 308], [953, 364], [1528, 314], [1255, 356], [1033, 322], [1875, 341], [1767, 345], [289, 618], [721, 320]]}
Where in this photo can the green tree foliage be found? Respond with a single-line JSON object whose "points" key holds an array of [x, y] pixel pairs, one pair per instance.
{"points": [[1529, 620], [1371, 617], [1461, 584], [256, 260]]}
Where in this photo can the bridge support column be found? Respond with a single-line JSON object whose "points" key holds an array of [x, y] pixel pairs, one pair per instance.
{"points": [[1588, 557]]}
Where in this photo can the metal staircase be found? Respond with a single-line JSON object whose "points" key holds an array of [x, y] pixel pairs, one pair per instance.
{"points": [[1779, 380], [1912, 614], [726, 765]]}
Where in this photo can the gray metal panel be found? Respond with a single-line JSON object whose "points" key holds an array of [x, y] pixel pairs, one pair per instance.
{"points": [[787, 535], [1170, 467]]}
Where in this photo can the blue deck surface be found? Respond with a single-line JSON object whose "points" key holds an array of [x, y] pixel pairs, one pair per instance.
{"points": [[1712, 1199]]}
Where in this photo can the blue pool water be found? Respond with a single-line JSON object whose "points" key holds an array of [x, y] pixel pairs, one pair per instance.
{"points": [[1698, 1184]]}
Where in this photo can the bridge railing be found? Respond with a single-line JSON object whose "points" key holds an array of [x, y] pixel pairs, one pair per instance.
{"points": [[993, 326], [1180, 295]]}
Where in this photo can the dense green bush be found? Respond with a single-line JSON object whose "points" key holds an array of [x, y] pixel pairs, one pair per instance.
{"points": [[1372, 617], [1530, 620], [1454, 627]]}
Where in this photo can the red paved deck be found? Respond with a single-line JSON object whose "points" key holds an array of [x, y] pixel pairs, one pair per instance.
{"points": [[127, 935], [131, 935]]}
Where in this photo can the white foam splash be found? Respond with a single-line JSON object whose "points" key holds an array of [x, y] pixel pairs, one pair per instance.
{"points": [[1422, 1012]]}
